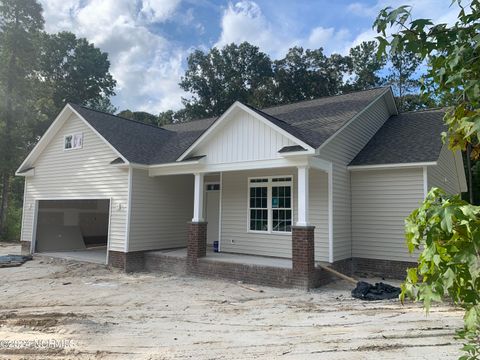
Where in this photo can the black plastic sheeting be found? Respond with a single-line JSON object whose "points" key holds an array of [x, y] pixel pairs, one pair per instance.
{"points": [[379, 291], [13, 260]]}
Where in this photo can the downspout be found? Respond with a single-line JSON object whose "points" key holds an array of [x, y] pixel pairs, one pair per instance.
{"points": [[425, 182]]}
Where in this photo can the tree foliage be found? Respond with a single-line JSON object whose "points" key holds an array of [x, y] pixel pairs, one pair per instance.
{"points": [[308, 74], [445, 228], [20, 24], [366, 66], [405, 86], [222, 76], [74, 70]]}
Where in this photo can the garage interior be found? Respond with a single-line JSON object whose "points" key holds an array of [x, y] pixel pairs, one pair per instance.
{"points": [[73, 229]]}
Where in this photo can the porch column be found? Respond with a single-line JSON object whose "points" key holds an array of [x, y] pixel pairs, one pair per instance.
{"points": [[303, 236], [302, 196], [197, 228], [198, 198]]}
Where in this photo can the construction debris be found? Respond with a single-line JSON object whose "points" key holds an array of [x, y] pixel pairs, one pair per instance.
{"points": [[379, 291], [13, 260]]}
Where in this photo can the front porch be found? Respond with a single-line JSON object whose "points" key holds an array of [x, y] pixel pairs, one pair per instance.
{"points": [[270, 224], [261, 270]]}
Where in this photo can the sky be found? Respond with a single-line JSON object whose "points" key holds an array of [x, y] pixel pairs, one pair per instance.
{"points": [[148, 41]]}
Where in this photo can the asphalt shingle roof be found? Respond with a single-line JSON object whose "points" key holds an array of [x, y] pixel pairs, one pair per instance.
{"points": [[137, 142], [406, 138], [312, 121]]}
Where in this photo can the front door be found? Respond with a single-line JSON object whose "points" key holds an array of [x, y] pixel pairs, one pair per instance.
{"points": [[212, 211]]}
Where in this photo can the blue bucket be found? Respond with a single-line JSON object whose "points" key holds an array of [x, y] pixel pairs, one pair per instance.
{"points": [[215, 246]]}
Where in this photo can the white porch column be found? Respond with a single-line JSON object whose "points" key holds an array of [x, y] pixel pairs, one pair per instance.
{"points": [[302, 196], [198, 198]]}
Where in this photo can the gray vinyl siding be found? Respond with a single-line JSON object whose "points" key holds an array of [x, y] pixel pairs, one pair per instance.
{"points": [[340, 151], [381, 200], [161, 208], [77, 174], [234, 215], [444, 174]]}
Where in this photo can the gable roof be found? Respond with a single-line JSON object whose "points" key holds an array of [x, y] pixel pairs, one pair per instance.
{"points": [[311, 122], [410, 137]]}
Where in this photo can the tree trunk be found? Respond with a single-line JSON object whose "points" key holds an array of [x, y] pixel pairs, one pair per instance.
{"points": [[4, 204], [470, 175]]}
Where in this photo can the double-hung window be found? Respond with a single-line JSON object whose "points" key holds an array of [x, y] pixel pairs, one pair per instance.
{"points": [[73, 141], [270, 204]]}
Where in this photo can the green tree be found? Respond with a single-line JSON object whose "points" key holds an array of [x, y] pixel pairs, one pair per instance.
{"points": [[166, 117], [404, 80], [73, 70], [20, 24], [365, 66], [445, 227], [141, 116], [308, 74], [222, 76]]}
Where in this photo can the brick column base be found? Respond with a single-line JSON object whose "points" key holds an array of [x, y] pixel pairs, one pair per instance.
{"points": [[197, 241], [25, 247], [128, 262], [303, 256]]}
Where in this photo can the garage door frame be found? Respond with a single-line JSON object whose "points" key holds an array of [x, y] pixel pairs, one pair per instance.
{"points": [[37, 207]]}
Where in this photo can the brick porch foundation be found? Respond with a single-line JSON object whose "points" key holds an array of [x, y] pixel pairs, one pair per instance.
{"points": [[214, 269], [303, 256], [128, 262], [383, 268], [197, 241]]}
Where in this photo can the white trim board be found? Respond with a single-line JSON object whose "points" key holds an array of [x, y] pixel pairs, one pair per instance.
{"points": [[129, 210], [390, 166]]}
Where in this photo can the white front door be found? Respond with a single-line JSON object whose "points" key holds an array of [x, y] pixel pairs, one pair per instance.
{"points": [[212, 211]]}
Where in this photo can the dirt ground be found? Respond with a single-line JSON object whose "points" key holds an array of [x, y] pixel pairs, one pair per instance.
{"points": [[55, 309]]}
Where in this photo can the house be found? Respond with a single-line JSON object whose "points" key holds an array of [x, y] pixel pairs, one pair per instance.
{"points": [[280, 189]]}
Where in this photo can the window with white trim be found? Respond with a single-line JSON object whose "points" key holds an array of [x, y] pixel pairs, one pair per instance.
{"points": [[270, 204], [73, 141]]}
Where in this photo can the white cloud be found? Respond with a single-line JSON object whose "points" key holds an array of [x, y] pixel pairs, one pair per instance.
{"points": [[328, 38], [244, 21], [146, 66], [157, 11], [360, 9]]}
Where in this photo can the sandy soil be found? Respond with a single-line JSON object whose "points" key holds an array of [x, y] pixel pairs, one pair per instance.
{"points": [[85, 311]]}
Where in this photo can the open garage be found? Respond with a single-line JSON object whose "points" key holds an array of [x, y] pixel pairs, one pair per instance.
{"points": [[73, 229]]}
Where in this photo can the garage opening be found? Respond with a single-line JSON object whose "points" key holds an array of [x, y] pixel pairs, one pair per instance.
{"points": [[73, 229]]}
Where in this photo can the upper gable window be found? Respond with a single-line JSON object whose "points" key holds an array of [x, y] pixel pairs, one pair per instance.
{"points": [[73, 141]]}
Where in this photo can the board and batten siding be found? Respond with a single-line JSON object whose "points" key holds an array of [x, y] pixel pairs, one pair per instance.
{"points": [[243, 138], [161, 208], [341, 150], [234, 215], [381, 200], [83, 173], [444, 175]]}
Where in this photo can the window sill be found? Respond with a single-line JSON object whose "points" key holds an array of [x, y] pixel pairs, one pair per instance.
{"points": [[281, 233]]}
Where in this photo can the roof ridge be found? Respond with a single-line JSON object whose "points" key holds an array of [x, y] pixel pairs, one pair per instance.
{"points": [[328, 96], [120, 117], [290, 103]]}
